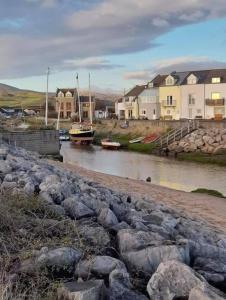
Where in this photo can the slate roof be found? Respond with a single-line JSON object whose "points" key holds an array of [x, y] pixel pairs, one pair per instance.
{"points": [[136, 91]]}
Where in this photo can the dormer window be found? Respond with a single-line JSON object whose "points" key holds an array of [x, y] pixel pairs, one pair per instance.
{"points": [[169, 80], [192, 79], [68, 94], [60, 94], [150, 85], [216, 80]]}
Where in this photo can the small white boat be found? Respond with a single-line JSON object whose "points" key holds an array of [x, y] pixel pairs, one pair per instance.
{"points": [[137, 140], [109, 144]]}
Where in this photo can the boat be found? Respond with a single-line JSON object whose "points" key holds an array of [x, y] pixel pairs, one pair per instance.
{"points": [[81, 133], [150, 138], [63, 135], [136, 140], [109, 144]]}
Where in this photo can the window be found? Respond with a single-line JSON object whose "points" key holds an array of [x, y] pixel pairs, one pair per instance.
{"points": [[61, 115], [192, 79], [170, 81], [68, 94], [62, 105], [68, 114], [168, 112], [169, 100], [85, 114], [68, 106], [60, 94], [154, 112], [191, 99], [216, 80], [215, 96], [143, 112]]}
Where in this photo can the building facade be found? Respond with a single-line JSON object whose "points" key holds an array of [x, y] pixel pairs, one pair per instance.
{"points": [[67, 99]]}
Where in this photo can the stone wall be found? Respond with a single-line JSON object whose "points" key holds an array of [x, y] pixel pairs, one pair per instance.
{"points": [[45, 142], [210, 141]]}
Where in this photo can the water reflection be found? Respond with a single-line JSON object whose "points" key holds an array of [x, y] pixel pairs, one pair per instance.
{"points": [[163, 171]]}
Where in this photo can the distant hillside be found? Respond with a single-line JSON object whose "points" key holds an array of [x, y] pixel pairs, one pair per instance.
{"points": [[14, 97]]}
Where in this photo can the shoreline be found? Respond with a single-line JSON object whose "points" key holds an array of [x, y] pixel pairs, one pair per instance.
{"points": [[201, 206]]}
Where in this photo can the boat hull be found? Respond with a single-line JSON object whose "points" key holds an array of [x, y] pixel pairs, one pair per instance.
{"points": [[85, 137], [110, 145]]}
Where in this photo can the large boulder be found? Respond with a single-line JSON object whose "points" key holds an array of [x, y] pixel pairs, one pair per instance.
{"points": [[5, 168], [148, 259], [76, 209], [132, 240], [120, 287], [59, 261], [100, 266], [205, 292], [95, 236], [89, 290], [172, 280], [107, 218]]}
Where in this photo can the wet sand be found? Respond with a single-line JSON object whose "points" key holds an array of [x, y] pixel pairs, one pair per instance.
{"points": [[208, 208]]}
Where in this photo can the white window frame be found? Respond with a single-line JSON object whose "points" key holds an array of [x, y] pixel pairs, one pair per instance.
{"points": [[216, 80]]}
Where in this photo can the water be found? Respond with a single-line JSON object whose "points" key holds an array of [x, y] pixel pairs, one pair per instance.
{"points": [[163, 171]]}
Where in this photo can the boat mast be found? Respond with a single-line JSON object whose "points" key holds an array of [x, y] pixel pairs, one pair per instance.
{"points": [[79, 104], [58, 117], [90, 103], [47, 96]]}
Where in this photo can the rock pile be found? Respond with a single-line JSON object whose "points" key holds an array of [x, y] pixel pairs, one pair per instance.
{"points": [[146, 250], [209, 141]]}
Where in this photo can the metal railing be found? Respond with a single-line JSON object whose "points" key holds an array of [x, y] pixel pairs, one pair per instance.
{"points": [[169, 102], [176, 134], [215, 102]]}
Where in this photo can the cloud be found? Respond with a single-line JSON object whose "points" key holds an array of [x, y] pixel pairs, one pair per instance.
{"points": [[90, 63], [178, 64], [55, 31]]}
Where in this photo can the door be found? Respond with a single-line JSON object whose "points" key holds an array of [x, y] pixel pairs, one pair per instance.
{"points": [[218, 113]]}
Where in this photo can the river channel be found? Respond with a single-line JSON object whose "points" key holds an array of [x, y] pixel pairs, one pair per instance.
{"points": [[163, 171]]}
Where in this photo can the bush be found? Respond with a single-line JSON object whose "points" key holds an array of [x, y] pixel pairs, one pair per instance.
{"points": [[209, 192]]}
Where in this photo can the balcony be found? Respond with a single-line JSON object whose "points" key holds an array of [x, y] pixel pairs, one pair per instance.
{"points": [[215, 102], [169, 103]]}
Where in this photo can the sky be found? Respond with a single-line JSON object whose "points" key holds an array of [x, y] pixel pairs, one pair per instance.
{"points": [[120, 42]]}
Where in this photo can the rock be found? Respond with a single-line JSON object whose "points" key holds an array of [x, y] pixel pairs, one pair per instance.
{"points": [[59, 261], [96, 236], [29, 188], [107, 218], [172, 280], [76, 209], [148, 259], [100, 266], [148, 179], [132, 239], [121, 288], [205, 292], [5, 168], [3, 153], [89, 290], [120, 226]]}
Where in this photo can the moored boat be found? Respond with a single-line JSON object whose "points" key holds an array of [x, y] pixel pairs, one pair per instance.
{"points": [[136, 140], [81, 133], [109, 144]]}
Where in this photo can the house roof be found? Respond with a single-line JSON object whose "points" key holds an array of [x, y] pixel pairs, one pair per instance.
{"points": [[84, 99], [136, 91], [64, 91], [158, 80]]}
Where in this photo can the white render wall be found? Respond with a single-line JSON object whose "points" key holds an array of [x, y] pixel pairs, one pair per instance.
{"points": [[215, 88], [198, 91]]}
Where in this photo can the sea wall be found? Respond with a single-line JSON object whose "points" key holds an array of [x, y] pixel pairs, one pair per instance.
{"points": [[45, 142], [125, 247], [211, 141]]}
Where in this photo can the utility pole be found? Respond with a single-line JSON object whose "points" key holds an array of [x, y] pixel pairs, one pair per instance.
{"points": [[47, 96], [79, 103]]}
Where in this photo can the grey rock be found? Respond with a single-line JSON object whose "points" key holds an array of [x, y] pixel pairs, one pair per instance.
{"points": [[96, 236], [76, 209], [107, 218], [89, 290], [120, 226], [205, 292], [60, 260], [172, 280], [98, 265], [5, 167], [121, 288], [148, 259], [132, 239]]}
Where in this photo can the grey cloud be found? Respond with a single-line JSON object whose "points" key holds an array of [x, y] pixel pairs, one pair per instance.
{"points": [[73, 30]]}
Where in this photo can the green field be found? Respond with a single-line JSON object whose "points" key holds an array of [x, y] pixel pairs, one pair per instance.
{"points": [[22, 99]]}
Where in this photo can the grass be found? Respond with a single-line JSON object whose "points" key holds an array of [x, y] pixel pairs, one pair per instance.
{"points": [[27, 225], [209, 192], [124, 141], [217, 159]]}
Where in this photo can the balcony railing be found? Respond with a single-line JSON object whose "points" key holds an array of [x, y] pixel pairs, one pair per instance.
{"points": [[215, 102], [169, 103]]}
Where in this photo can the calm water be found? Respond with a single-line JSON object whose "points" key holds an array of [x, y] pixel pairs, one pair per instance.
{"points": [[163, 171]]}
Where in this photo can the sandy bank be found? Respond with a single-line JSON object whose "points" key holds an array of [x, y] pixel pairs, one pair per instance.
{"points": [[209, 208]]}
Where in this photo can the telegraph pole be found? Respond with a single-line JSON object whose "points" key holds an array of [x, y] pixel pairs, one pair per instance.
{"points": [[47, 96]]}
